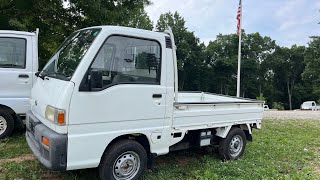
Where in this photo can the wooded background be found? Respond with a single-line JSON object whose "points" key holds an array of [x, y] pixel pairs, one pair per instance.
{"points": [[284, 77]]}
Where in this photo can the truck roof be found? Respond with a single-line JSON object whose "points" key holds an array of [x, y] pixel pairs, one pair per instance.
{"points": [[17, 32], [129, 29]]}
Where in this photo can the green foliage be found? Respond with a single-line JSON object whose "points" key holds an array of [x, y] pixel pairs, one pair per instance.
{"points": [[222, 57], [57, 19], [312, 70], [261, 98], [13, 146], [277, 105], [105, 12], [190, 52]]}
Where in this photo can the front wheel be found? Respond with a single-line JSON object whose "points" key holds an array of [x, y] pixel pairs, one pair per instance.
{"points": [[6, 124], [124, 160], [233, 146]]}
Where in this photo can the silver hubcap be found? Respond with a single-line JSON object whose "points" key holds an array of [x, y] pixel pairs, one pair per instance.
{"points": [[3, 125], [126, 166], [235, 146]]}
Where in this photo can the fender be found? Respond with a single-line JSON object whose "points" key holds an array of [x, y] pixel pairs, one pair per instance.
{"points": [[223, 131]]}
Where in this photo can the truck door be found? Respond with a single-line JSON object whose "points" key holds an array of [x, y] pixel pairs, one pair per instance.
{"points": [[15, 67], [122, 92]]}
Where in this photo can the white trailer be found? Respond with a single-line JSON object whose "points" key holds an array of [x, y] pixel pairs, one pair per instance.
{"points": [[18, 64], [108, 98], [310, 105]]}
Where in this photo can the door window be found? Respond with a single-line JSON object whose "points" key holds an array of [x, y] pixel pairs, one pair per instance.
{"points": [[126, 60], [12, 53]]}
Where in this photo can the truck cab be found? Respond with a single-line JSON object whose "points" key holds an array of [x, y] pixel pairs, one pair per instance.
{"points": [[108, 98], [18, 63]]}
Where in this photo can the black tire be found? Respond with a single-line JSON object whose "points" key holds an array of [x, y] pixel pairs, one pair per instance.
{"points": [[108, 168], [233, 146], [6, 123]]}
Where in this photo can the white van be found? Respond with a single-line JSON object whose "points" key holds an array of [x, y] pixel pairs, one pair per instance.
{"points": [[109, 98], [309, 105], [18, 64]]}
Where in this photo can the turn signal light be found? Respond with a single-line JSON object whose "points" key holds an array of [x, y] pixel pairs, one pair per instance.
{"points": [[60, 119], [45, 141]]}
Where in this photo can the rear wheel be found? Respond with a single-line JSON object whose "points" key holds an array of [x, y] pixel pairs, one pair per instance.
{"points": [[124, 160], [233, 146], [6, 123]]}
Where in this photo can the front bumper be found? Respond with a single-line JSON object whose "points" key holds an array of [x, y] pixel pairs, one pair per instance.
{"points": [[54, 156]]}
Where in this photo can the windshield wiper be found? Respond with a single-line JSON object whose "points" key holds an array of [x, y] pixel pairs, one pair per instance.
{"points": [[55, 74]]}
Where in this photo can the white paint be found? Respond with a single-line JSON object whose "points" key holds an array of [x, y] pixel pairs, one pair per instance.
{"points": [[14, 90], [94, 119]]}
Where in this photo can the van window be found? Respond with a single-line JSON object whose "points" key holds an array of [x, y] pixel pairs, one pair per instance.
{"points": [[12, 53], [128, 60]]}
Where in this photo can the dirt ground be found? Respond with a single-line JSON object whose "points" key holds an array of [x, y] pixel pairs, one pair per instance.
{"points": [[295, 114]]}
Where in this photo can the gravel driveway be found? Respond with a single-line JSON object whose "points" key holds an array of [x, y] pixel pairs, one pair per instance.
{"points": [[296, 114]]}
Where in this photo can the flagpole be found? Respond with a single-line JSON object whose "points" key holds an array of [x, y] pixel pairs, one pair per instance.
{"points": [[239, 54]]}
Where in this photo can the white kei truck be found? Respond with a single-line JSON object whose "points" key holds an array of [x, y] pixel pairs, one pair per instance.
{"points": [[18, 64], [109, 99]]}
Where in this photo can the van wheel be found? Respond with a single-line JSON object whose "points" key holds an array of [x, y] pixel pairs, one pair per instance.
{"points": [[233, 146], [124, 160], [6, 123]]}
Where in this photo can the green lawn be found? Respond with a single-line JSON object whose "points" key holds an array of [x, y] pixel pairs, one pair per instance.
{"points": [[282, 149]]}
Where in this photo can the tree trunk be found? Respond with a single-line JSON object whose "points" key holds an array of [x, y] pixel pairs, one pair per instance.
{"points": [[289, 94], [260, 89]]}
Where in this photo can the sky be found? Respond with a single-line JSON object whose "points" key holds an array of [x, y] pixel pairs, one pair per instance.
{"points": [[286, 21]]}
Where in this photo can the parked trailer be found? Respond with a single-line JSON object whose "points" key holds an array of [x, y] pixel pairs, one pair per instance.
{"points": [[109, 99], [310, 105]]}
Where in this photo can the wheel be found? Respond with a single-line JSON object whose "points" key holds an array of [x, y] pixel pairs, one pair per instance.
{"points": [[124, 160], [233, 146], [6, 123]]}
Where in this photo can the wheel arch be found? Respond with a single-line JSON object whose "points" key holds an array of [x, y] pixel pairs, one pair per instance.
{"points": [[140, 138], [16, 118], [222, 132]]}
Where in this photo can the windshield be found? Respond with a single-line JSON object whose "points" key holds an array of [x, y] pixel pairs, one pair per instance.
{"points": [[63, 64]]}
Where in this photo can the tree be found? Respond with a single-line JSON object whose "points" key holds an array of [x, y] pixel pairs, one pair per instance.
{"points": [[27, 15], [105, 12], [288, 65], [222, 57], [190, 53], [56, 20], [312, 60]]}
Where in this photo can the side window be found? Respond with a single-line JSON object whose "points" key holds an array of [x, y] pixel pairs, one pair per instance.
{"points": [[125, 60], [12, 53]]}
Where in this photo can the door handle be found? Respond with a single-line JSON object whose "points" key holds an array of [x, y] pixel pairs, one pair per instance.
{"points": [[23, 76], [157, 95]]}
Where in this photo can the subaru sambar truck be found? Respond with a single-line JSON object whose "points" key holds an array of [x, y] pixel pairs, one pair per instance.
{"points": [[109, 99]]}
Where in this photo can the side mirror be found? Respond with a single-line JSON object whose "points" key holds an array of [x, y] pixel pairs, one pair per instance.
{"points": [[96, 80]]}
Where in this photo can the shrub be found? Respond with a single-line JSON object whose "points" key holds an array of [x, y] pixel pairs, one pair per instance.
{"points": [[277, 105]]}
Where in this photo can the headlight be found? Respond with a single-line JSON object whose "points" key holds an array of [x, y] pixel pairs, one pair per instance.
{"points": [[55, 115], [50, 111]]}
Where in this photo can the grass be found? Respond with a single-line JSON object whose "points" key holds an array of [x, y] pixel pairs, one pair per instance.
{"points": [[282, 149], [14, 146]]}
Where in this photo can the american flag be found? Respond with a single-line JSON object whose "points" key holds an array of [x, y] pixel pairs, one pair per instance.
{"points": [[239, 18]]}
